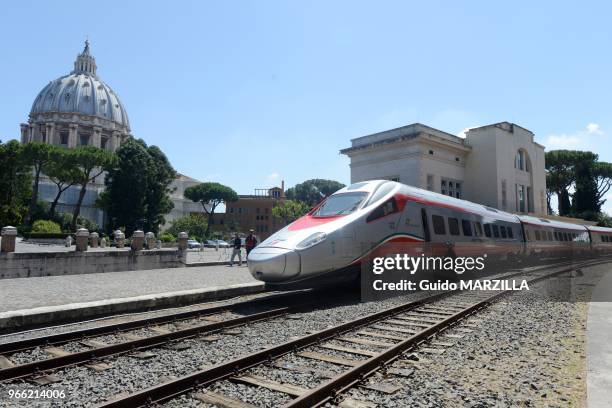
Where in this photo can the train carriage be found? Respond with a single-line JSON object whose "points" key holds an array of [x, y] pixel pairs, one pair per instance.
{"points": [[601, 239], [553, 238]]}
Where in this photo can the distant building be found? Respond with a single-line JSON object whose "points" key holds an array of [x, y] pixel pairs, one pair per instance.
{"points": [[252, 212], [80, 109], [182, 206], [499, 165]]}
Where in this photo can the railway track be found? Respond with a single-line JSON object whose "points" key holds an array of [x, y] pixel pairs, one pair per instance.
{"points": [[143, 334], [356, 349]]}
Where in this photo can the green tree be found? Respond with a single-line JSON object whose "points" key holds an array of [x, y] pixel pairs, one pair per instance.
{"points": [[63, 172], [585, 199], [313, 191], [194, 224], [560, 176], [90, 163], [137, 188], [603, 179], [290, 210], [210, 195], [15, 184], [38, 155]]}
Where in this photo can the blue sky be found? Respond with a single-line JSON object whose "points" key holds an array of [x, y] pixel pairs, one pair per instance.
{"points": [[248, 93]]}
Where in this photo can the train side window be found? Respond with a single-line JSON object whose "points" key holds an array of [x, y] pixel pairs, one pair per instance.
{"points": [[388, 207], [537, 235], [478, 229], [438, 224], [487, 228], [510, 233], [527, 235], [604, 238], [556, 236], [502, 229], [544, 237], [495, 231], [566, 236], [550, 235], [453, 226], [466, 226]]}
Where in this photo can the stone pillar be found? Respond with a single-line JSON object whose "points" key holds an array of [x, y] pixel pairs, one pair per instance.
{"points": [[120, 239], [8, 235], [72, 135], [82, 238], [51, 134], [149, 240], [25, 133], [137, 240], [182, 241], [96, 136], [93, 237], [114, 141]]}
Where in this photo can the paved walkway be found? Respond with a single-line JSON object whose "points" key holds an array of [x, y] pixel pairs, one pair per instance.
{"points": [[599, 346], [28, 293]]}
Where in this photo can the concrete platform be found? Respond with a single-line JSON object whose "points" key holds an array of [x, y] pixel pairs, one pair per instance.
{"points": [[599, 346], [43, 301]]}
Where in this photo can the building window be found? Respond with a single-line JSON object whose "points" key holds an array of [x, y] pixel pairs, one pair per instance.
{"points": [[430, 182], [104, 143], [457, 159], [504, 195], [83, 139], [431, 152], [519, 162], [520, 198], [64, 138], [450, 188]]}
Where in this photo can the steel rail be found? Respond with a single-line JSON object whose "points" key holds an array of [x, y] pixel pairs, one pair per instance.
{"points": [[28, 369], [168, 390], [327, 391], [61, 338]]}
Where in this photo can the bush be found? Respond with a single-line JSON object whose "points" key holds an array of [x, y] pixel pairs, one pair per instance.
{"points": [[167, 237], [45, 226]]}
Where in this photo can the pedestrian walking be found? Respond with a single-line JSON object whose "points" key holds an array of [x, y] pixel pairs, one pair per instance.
{"points": [[237, 244], [250, 242]]}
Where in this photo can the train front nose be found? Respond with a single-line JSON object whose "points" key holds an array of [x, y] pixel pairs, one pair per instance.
{"points": [[271, 264]]}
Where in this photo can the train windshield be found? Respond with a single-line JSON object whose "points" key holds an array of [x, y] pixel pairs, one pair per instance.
{"points": [[340, 204]]}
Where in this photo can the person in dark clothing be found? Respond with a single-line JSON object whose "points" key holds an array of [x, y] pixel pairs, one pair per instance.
{"points": [[250, 242], [236, 244]]}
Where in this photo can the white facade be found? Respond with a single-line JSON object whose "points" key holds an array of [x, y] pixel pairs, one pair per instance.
{"points": [[182, 206], [498, 165]]}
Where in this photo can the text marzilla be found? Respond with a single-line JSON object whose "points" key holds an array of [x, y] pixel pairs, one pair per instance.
{"points": [[485, 284]]}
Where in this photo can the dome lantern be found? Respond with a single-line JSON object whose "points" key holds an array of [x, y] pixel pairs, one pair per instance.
{"points": [[85, 62]]}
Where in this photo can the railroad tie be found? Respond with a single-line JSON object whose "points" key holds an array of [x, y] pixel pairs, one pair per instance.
{"points": [[289, 389], [330, 359], [5, 362], [219, 400]]}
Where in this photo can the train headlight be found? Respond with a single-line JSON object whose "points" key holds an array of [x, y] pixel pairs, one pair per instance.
{"points": [[312, 240]]}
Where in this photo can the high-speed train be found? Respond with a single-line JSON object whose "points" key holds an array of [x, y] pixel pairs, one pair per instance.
{"points": [[384, 217]]}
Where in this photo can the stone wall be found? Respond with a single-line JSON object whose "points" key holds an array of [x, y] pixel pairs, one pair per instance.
{"points": [[25, 265]]}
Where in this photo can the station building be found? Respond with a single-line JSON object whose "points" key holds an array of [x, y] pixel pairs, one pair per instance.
{"points": [[80, 109], [498, 165], [252, 211]]}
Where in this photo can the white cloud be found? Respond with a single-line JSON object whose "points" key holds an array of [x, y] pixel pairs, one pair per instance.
{"points": [[594, 129], [272, 177], [581, 139], [462, 134]]}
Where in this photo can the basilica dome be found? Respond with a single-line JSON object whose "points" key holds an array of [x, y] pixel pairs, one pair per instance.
{"points": [[81, 92], [78, 109]]}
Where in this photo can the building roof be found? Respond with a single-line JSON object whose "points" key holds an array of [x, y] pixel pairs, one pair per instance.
{"points": [[404, 133], [83, 92]]}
